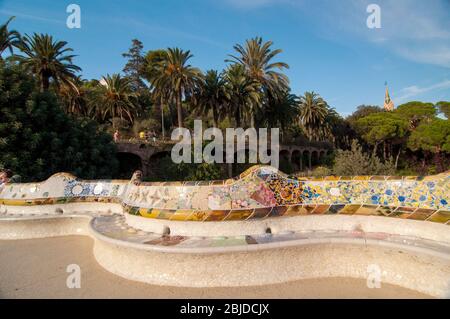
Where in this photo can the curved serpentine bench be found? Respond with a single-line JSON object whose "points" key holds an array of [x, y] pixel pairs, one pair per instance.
{"points": [[261, 227]]}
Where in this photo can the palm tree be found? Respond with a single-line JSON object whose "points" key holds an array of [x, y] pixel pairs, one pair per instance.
{"points": [[339, 130], [152, 67], [211, 96], [72, 97], [48, 59], [256, 57], [313, 111], [279, 111], [177, 78], [76, 98], [152, 70], [242, 93], [115, 98], [8, 38]]}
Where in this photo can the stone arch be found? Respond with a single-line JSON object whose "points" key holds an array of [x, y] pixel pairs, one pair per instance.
{"points": [[297, 160], [323, 153], [285, 161], [153, 163], [285, 154], [315, 158], [306, 158], [128, 164]]}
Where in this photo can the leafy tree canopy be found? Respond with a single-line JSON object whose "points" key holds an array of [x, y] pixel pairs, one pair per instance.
{"points": [[444, 107], [416, 111], [433, 137], [362, 111], [382, 126], [38, 139]]}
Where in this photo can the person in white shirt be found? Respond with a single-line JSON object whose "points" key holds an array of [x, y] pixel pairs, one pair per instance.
{"points": [[5, 175]]}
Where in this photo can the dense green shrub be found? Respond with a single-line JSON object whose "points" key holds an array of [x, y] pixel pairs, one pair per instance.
{"points": [[146, 125], [321, 171], [164, 169], [356, 162], [37, 139]]}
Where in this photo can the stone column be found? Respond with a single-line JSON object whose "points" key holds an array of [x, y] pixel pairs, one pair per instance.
{"points": [[309, 159], [145, 167]]}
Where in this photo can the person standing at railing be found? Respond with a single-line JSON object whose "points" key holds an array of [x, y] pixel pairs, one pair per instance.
{"points": [[116, 136], [5, 176]]}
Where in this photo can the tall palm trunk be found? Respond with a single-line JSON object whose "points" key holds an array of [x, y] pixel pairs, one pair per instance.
{"points": [[179, 110], [215, 116], [162, 117], [238, 119], [252, 120], [45, 83]]}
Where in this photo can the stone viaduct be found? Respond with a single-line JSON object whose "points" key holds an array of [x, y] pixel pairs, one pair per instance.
{"points": [[300, 157]]}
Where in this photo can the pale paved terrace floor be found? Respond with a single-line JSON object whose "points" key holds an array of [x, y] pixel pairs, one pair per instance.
{"points": [[37, 269]]}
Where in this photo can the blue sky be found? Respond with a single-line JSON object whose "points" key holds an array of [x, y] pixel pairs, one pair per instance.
{"points": [[326, 42]]}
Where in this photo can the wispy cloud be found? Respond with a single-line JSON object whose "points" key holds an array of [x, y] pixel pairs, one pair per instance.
{"points": [[412, 29], [415, 30], [412, 91], [31, 17], [168, 31], [437, 54]]}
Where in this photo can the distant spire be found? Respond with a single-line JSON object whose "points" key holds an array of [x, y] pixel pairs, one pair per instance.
{"points": [[388, 104]]}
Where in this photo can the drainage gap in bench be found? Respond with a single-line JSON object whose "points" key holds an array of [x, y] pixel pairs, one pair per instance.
{"points": [[166, 231]]}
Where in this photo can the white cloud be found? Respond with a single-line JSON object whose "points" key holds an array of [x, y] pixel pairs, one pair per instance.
{"points": [[414, 90]]}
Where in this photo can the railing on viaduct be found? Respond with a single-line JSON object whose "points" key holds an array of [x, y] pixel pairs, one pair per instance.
{"points": [[299, 156]]}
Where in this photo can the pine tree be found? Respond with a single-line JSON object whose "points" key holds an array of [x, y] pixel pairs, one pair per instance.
{"points": [[134, 66]]}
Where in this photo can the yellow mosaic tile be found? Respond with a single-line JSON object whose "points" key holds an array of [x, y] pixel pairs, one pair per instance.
{"points": [[440, 217]]}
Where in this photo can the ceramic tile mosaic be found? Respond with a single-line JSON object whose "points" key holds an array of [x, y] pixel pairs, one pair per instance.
{"points": [[259, 192]]}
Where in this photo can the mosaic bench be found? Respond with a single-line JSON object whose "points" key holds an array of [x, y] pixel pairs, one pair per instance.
{"points": [[260, 210], [259, 192]]}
